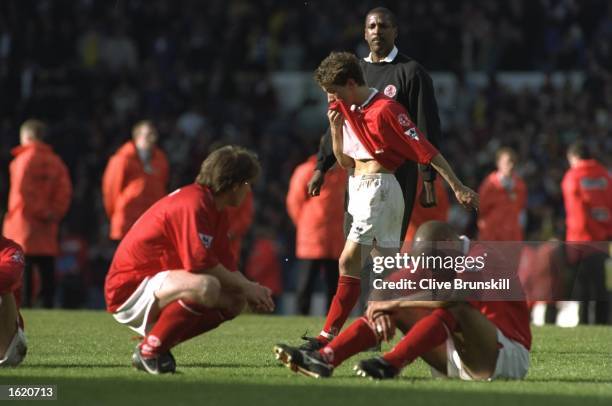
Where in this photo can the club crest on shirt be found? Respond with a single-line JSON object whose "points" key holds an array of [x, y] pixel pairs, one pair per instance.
{"points": [[390, 91], [206, 239], [412, 133], [403, 120]]}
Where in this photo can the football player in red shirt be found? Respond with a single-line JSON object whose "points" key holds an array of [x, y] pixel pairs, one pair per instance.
{"points": [[174, 275], [471, 340], [373, 134], [13, 346]]}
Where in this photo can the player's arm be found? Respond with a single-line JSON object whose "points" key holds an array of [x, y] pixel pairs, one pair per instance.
{"points": [[256, 295], [336, 121], [466, 196]]}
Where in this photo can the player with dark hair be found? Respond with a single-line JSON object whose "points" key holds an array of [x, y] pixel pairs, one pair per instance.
{"points": [[13, 345], [373, 134], [173, 276], [471, 340]]}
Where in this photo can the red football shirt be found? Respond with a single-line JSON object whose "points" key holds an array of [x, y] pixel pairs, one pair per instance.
{"points": [[510, 317], [11, 266], [182, 231], [386, 131], [587, 193]]}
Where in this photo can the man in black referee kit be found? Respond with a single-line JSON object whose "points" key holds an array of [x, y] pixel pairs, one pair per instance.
{"points": [[405, 80]]}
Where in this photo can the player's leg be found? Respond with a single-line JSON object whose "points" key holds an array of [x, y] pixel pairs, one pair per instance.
{"points": [[347, 293], [182, 285], [473, 336]]}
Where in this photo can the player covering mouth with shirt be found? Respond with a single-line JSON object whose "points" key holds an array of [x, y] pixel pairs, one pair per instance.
{"points": [[373, 134]]}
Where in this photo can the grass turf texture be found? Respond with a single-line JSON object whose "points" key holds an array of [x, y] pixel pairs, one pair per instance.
{"points": [[87, 355]]}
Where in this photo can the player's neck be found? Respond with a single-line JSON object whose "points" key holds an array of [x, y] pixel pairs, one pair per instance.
{"points": [[380, 56]]}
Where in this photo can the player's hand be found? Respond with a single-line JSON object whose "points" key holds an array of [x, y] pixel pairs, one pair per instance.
{"points": [[467, 197], [377, 308], [315, 183], [336, 120], [259, 297], [384, 327], [427, 198]]}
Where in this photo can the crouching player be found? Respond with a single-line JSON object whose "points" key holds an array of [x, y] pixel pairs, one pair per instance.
{"points": [[13, 346], [173, 275], [470, 340]]}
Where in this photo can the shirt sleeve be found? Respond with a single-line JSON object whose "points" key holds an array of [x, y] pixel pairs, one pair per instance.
{"points": [[402, 135]]}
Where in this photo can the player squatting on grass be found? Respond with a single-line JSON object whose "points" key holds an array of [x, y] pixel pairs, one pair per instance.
{"points": [[174, 276]]}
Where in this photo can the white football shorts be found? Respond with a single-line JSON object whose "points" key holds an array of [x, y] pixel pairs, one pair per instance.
{"points": [[512, 361], [376, 204], [138, 312]]}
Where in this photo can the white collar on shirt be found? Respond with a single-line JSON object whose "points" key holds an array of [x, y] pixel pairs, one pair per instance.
{"points": [[388, 58], [367, 101]]}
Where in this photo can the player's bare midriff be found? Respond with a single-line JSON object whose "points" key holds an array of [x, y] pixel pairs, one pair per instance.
{"points": [[369, 166]]}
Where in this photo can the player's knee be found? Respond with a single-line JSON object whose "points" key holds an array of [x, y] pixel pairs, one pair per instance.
{"points": [[208, 290]]}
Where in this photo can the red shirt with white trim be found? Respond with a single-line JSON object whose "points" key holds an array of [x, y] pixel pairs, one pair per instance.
{"points": [[387, 132], [11, 266], [182, 231]]}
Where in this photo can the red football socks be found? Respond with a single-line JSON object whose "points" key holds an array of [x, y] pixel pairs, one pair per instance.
{"points": [[358, 337], [424, 336], [342, 304], [178, 322]]}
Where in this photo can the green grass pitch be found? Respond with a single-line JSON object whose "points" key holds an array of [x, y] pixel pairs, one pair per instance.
{"points": [[87, 355]]}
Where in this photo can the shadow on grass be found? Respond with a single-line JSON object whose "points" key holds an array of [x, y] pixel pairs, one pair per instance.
{"points": [[143, 389]]}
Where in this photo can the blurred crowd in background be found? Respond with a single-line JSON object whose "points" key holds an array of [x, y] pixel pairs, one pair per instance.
{"points": [[201, 71]]}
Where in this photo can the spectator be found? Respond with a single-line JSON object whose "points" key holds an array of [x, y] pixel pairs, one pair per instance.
{"points": [[39, 198], [136, 177]]}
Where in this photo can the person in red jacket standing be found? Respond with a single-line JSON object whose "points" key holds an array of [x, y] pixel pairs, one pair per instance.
{"points": [[587, 194], [39, 198], [503, 196], [136, 177], [319, 234], [13, 346]]}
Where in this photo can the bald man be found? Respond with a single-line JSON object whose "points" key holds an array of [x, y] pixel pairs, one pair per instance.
{"points": [[470, 340]]}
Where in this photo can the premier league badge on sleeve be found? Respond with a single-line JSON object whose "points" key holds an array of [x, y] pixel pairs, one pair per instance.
{"points": [[206, 239], [390, 91]]}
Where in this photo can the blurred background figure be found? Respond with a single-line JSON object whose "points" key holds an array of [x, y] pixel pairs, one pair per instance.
{"points": [[503, 200], [136, 177], [587, 193], [39, 197], [318, 222], [263, 263]]}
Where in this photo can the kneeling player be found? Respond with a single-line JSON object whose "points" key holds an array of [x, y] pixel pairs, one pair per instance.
{"points": [[467, 340], [173, 275], [13, 346]]}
